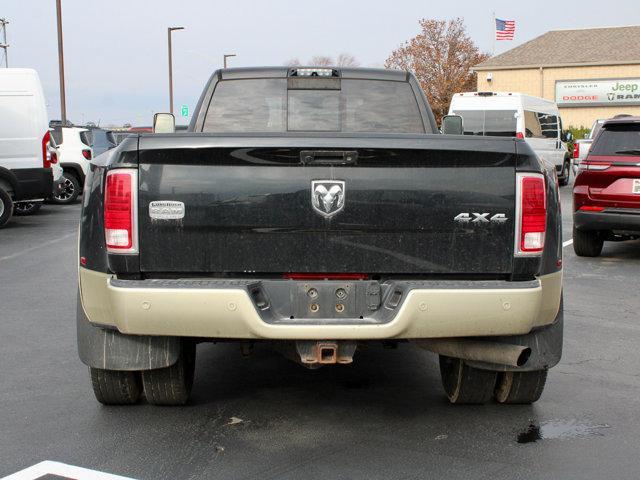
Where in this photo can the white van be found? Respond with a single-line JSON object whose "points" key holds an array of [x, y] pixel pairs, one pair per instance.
{"points": [[516, 115], [25, 155]]}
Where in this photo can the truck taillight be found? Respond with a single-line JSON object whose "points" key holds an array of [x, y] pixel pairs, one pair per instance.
{"points": [[86, 153], [121, 211], [520, 135], [576, 150], [531, 214], [46, 155]]}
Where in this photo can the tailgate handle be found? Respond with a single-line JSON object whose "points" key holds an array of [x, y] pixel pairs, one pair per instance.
{"points": [[328, 157]]}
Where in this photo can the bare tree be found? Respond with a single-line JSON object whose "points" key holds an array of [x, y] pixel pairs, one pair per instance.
{"points": [[441, 57], [343, 60], [321, 61], [347, 60]]}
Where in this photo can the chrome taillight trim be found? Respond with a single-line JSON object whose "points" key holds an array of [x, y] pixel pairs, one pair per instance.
{"points": [[517, 251], [133, 173]]}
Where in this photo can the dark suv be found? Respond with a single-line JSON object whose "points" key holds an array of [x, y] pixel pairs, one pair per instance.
{"points": [[606, 194]]}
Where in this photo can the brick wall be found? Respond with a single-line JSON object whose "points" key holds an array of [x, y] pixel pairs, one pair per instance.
{"points": [[533, 82]]}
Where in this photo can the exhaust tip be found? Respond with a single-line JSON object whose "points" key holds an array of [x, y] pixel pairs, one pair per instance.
{"points": [[523, 357]]}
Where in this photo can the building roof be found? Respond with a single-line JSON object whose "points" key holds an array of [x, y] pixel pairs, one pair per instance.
{"points": [[587, 46]]}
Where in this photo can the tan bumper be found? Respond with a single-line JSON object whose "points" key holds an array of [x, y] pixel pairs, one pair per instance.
{"points": [[230, 313]]}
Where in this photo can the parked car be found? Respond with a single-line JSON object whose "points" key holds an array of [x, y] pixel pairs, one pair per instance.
{"points": [[581, 146], [534, 119], [74, 152], [101, 140], [606, 193], [120, 136], [319, 209], [25, 158]]}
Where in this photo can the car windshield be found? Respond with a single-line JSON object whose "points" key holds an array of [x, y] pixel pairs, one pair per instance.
{"points": [[617, 139], [496, 123], [318, 105]]}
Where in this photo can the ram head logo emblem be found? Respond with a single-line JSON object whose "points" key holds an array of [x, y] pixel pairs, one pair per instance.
{"points": [[327, 196]]}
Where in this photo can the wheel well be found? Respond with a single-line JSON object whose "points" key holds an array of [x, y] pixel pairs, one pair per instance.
{"points": [[76, 171], [6, 186], [73, 171], [7, 181]]}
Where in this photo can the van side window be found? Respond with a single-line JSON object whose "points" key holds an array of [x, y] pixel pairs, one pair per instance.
{"points": [[532, 125], [548, 125], [540, 125]]}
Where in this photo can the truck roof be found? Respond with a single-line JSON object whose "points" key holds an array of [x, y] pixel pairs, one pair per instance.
{"points": [[499, 100], [283, 72], [622, 119], [500, 95]]}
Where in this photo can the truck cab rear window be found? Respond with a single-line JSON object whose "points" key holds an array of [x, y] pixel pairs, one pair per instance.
{"points": [[495, 123], [266, 105]]}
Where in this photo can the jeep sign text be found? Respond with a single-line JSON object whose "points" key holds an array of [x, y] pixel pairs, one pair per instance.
{"points": [[583, 93]]}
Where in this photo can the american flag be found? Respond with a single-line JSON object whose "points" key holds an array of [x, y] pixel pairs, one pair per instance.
{"points": [[505, 29]]}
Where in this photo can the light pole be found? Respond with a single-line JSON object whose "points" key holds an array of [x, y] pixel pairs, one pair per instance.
{"points": [[5, 45], [169, 30], [227, 56], [63, 101]]}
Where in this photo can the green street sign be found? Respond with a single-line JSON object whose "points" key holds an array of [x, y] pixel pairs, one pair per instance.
{"points": [[185, 110]]}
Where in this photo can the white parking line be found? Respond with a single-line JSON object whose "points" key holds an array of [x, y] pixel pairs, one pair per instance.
{"points": [[48, 467], [564, 244], [45, 244]]}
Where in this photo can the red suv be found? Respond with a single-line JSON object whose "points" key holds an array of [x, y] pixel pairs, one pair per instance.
{"points": [[606, 193]]}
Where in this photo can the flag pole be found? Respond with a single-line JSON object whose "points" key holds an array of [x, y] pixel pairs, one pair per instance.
{"points": [[493, 27]]}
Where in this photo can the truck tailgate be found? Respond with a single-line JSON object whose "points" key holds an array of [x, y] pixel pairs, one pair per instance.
{"points": [[248, 205]]}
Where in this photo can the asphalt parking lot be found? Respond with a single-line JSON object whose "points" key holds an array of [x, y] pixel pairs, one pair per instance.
{"points": [[265, 417]]}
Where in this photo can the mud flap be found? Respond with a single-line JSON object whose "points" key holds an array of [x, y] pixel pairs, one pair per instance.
{"points": [[111, 350], [545, 344]]}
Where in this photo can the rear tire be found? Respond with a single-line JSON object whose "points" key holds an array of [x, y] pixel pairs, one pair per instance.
{"points": [[520, 387], [115, 387], [587, 243], [70, 190], [465, 385], [6, 208], [172, 385], [566, 174], [26, 208]]}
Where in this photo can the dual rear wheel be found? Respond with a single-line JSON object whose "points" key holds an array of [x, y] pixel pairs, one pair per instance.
{"points": [[163, 386], [172, 385], [466, 385]]}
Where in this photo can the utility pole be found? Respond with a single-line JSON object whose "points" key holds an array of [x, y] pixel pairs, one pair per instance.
{"points": [[63, 101], [227, 56], [4, 45], [169, 30]]}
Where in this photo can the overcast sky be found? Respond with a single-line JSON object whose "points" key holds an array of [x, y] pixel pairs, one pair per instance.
{"points": [[116, 51]]}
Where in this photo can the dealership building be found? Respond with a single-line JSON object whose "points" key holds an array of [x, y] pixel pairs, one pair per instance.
{"points": [[590, 73]]}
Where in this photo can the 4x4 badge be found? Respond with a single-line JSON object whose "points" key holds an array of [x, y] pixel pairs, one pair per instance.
{"points": [[327, 196]]}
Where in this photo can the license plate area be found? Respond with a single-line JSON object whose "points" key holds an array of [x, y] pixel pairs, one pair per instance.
{"points": [[335, 299]]}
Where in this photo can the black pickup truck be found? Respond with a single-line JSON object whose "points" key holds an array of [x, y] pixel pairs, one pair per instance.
{"points": [[319, 209]]}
